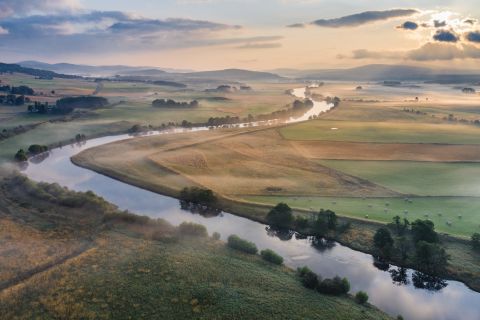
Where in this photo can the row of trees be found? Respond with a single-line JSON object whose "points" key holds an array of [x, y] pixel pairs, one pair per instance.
{"points": [[429, 256], [33, 150], [281, 216], [20, 90], [169, 103], [68, 105]]}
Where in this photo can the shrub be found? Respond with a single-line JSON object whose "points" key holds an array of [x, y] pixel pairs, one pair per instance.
{"points": [[237, 243], [280, 216], [271, 256], [335, 286], [216, 236], [361, 297], [192, 229], [308, 277]]}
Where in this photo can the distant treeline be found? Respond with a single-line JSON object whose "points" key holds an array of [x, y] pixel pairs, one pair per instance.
{"points": [[135, 80], [169, 103], [67, 105], [21, 90], [15, 95], [42, 74], [298, 108]]}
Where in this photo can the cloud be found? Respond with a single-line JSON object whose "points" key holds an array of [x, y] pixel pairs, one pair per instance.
{"points": [[113, 31], [408, 25], [473, 36], [296, 25], [470, 21], [10, 8], [3, 31], [438, 51], [362, 18], [428, 52], [439, 24], [265, 45], [446, 36]]}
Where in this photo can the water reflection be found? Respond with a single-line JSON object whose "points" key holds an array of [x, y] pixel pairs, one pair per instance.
{"points": [[427, 282], [399, 276], [282, 234], [204, 211], [322, 244]]}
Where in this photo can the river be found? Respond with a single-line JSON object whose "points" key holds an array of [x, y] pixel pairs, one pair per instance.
{"points": [[389, 288]]}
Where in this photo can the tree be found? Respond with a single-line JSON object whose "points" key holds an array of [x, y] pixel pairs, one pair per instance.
{"points": [[21, 156], [399, 226], [361, 297], [383, 241], [280, 216], [424, 230], [331, 220], [476, 241], [309, 278], [402, 245], [430, 257]]}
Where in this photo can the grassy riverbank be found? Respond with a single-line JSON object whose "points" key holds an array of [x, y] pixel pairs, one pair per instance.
{"points": [[68, 255], [253, 170]]}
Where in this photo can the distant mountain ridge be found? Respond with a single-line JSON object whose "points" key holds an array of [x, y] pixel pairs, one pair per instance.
{"points": [[46, 74], [382, 72]]}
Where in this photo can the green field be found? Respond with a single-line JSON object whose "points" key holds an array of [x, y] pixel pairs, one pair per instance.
{"points": [[384, 132], [419, 178], [374, 209]]}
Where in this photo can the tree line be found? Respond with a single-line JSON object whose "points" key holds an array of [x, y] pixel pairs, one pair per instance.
{"points": [[169, 103]]}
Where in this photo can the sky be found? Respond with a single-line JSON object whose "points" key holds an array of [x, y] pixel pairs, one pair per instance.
{"points": [[248, 34]]}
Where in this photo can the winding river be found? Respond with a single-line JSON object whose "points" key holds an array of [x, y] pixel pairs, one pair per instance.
{"points": [[390, 288]]}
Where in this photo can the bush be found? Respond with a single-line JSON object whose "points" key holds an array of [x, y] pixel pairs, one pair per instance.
{"points": [[216, 236], [237, 243], [308, 277], [335, 286], [192, 229], [280, 216], [271, 256], [361, 297]]}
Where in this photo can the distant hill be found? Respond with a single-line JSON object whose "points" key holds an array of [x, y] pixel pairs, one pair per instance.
{"points": [[84, 70], [381, 72], [234, 75], [46, 74]]}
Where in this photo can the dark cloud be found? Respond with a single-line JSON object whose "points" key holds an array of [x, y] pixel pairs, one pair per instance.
{"points": [[439, 24], [408, 25], [470, 21], [358, 19], [296, 25], [446, 36], [473, 36]]}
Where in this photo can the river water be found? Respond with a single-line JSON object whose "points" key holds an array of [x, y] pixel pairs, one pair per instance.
{"points": [[392, 289]]}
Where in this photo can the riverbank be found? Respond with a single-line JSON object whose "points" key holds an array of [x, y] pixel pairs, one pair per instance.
{"points": [[464, 264], [74, 256]]}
